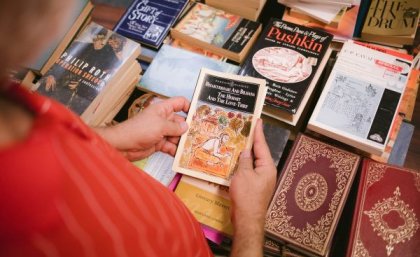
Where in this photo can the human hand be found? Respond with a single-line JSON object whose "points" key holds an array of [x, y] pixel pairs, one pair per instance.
{"points": [[156, 128], [50, 83], [253, 181]]}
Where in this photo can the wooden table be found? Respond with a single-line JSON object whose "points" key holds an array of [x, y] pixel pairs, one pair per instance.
{"points": [[108, 16]]}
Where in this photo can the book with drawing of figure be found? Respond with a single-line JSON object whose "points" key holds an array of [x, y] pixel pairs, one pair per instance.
{"points": [[360, 99], [221, 119], [97, 69], [218, 31]]}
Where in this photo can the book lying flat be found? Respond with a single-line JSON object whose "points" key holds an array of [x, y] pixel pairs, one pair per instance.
{"points": [[221, 119]]}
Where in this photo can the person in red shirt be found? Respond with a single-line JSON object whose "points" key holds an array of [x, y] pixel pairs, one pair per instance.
{"points": [[70, 190]]}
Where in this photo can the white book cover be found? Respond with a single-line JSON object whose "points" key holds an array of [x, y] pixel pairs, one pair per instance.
{"points": [[361, 97]]}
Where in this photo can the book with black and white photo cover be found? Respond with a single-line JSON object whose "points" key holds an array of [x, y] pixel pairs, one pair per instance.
{"points": [[291, 58], [360, 99], [221, 119]]}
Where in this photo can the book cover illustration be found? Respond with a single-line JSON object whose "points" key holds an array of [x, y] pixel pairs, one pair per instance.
{"points": [[149, 21], [216, 27], [288, 56], [221, 119], [386, 219], [86, 66], [310, 196], [360, 110], [183, 68]]}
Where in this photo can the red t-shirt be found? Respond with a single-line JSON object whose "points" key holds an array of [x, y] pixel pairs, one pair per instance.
{"points": [[65, 192]]}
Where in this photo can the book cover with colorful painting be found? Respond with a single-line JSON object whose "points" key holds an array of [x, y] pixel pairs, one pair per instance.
{"points": [[149, 21], [221, 119]]}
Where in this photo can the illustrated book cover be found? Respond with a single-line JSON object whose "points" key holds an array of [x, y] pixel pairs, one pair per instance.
{"points": [[222, 117], [174, 71], [386, 220], [360, 100], [392, 21], [218, 31], [290, 57], [310, 195], [149, 21], [89, 68]]}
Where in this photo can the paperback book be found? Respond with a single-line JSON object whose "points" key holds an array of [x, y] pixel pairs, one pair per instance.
{"points": [[290, 57], [218, 31], [221, 119], [174, 71], [149, 21], [93, 73], [360, 100]]}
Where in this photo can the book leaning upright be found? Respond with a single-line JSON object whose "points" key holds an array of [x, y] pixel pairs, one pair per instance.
{"points": [[360, 100], [221, 119]]}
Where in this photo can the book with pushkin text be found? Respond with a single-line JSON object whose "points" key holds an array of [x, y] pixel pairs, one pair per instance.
{"points": [[291, 58], [221, 119], [386, 219], [310, 196], [360, 99]]}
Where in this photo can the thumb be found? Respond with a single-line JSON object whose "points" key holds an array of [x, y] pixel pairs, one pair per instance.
{"points": [[245, 161], [174, 128]]}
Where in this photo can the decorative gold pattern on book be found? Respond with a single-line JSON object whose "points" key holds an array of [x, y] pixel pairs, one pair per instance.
{"points": [[360, 250], [311, 192], [391, 235], [313, 236], [375, 173], [417, 181]]}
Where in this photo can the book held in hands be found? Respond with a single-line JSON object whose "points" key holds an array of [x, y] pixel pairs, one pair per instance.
{"points": [[360, 99], [93, 74], [221, 119], [291, 58]]}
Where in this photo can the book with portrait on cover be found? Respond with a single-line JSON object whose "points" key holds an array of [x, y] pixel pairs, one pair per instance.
{"points": [[386, 220], [310, 196], [221, 119]]}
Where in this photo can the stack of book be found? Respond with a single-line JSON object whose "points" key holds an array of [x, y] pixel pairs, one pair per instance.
{"points": [[95, 75], [250, 9], [80, 17]]}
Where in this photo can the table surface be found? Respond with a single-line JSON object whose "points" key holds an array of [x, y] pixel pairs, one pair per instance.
{"points": [[108, 15]]}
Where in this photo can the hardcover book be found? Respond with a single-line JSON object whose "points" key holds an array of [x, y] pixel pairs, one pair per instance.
{"points": [[386, 220], [290, 57], [360, 100], [221, 119], [174, 71], [218, 31], [149, 21], [310, 195], [392, 21], [86, 76]]}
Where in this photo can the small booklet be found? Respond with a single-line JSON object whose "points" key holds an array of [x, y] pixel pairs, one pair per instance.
{"points": [[221, 119]]}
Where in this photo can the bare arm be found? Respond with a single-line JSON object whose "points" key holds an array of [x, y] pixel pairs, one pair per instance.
{"points": [[251, 190]]}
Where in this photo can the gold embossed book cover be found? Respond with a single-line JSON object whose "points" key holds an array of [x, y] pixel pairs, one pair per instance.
{"points": [[386, 220], [310, 195], [221, 119]]}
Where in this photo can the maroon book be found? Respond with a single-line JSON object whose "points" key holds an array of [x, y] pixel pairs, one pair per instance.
{"points": [[387, 213], [310, 196]]}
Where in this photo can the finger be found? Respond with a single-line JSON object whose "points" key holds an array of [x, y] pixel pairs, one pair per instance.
{"points": [[173, 128], [177, 104], [178, 118], [245, 161], [261, 150], [169, 148], [174, 140]]}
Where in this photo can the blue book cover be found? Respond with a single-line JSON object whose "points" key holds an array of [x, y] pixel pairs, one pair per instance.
{"points": [[174, 71], [148, 22]]}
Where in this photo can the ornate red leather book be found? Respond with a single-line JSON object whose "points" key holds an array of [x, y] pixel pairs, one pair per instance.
{"points": [[310, 196], [387, 213]]}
